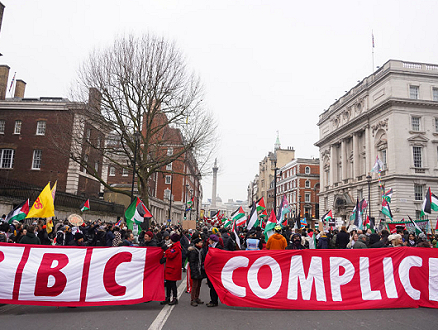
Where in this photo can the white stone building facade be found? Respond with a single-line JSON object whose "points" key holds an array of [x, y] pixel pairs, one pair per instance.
{"points": [[392, 114]]}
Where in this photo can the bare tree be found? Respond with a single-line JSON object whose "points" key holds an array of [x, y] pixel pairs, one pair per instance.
{"points": [[146, 93]]}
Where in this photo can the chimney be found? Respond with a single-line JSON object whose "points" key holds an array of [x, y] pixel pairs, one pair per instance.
{"points": [[94, 99], [4, 75], [20, 86]]}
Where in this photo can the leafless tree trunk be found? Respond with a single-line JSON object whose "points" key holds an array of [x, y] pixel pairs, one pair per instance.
{"points": [[146, 92]]}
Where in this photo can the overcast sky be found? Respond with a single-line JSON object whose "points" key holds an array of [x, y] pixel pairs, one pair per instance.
{"points": [[266, 66]]}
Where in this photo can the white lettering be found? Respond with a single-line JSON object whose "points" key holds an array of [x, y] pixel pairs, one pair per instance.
{"points": [[276, 280], [403, 272], [433, 279], [388, 273], [336, 280], [365, 285], [227, 275], [315, 274]]}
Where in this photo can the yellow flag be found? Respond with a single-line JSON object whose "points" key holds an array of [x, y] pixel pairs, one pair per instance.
{"points": [[43, 206], [49, 226], [54, 191]]}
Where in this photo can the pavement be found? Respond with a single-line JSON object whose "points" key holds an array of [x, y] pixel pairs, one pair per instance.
{"points": [[153, 316]]}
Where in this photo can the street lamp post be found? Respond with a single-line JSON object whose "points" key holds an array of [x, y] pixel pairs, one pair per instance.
{"points": [[170, 197], [368, 177]]}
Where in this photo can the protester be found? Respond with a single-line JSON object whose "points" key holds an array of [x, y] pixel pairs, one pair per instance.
{"points": [[213, 242], [411, 241], [395, 240], [361, 242], [30, 237], [197, 273], [323, 241], [172, 270], [252, 242], [295, 242], [129, 239], [78, 239], [342, 238], [276, 241]]}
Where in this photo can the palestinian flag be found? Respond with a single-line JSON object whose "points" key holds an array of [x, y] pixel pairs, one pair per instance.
{"points": [[226, 222], [235, 233], [239, 216], [386, 210], [368, 225], [312, 241], [269, 228], [261, 208], [190, 204], [85, 206], [417, 229], [284, 209], [135, 214], [19, 213], [387, 195], [252, 220], [327, 217], [430, 203]]}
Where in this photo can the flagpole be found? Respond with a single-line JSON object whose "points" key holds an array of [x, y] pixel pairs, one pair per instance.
{"points": [[372, 50]]}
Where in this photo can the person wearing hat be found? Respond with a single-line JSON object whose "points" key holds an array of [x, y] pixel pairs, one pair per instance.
{"points": [[396, 240], [172, 270], [213, 242], [276, 241], [78, 239], [361, 242], [196, 258], [149, 239]]}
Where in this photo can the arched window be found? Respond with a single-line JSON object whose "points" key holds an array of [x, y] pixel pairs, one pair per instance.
{"points": [[307, 170], [307, 184]]}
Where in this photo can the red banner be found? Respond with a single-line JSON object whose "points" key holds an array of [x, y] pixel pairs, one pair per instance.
{"points": [[326, 279], [79, 276]]}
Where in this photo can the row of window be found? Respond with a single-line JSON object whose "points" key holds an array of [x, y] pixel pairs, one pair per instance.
{"points": [[293, 171], [7, 158], [414, 92], [40, 129], [112, 171], [417, 125], [292, 198], [291, 185]]}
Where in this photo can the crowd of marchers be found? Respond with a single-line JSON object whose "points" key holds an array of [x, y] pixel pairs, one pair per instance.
{"points": [[186, 250]]}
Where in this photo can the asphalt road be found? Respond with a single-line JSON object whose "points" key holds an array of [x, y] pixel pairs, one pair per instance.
{"points": [[183, 316]]}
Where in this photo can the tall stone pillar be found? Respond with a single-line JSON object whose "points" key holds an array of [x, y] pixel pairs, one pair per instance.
{"points": [[356, 159], [214, 188], [344, 160], [332, 165]]}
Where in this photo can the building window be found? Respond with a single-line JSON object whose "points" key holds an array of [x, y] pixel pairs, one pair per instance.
{"points": [[414, 92], [112, 171], [88, 134], [168, 179], [360, 194], [6, 158], [435, 94], [84, 168], [307, 198], [169, 151], [98, 142], [169, 167], [17, 129], [307, 184], [307, 170], [415, 123], [418, 215], [383, 158], [36, 160], [41, 128], [96, 166], [417, 156], [2, 126], [125, 172], [418, 192]]}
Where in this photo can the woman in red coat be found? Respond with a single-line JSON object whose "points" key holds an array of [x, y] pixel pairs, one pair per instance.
{"points": [[172, 272]]}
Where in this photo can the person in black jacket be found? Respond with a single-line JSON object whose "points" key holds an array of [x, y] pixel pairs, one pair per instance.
{"points": [[229, 244], [184, 241], [197, 273], [213, 242], [342, 239]]}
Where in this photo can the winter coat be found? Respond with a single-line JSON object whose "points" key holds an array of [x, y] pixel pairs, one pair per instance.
{"points": [[196, 262], [117, 238], [229, 244], [323, 242], [276, 242], [173, 269], [30, 238], [360, 245], [342, 240], [109, 238]]}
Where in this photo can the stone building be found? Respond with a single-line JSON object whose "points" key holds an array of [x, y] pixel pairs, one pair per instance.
{"points": [[298, 180], [392, 114], [267, 167]]}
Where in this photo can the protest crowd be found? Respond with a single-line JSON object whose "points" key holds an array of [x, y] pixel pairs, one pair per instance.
{"points": [[186, 250]]}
